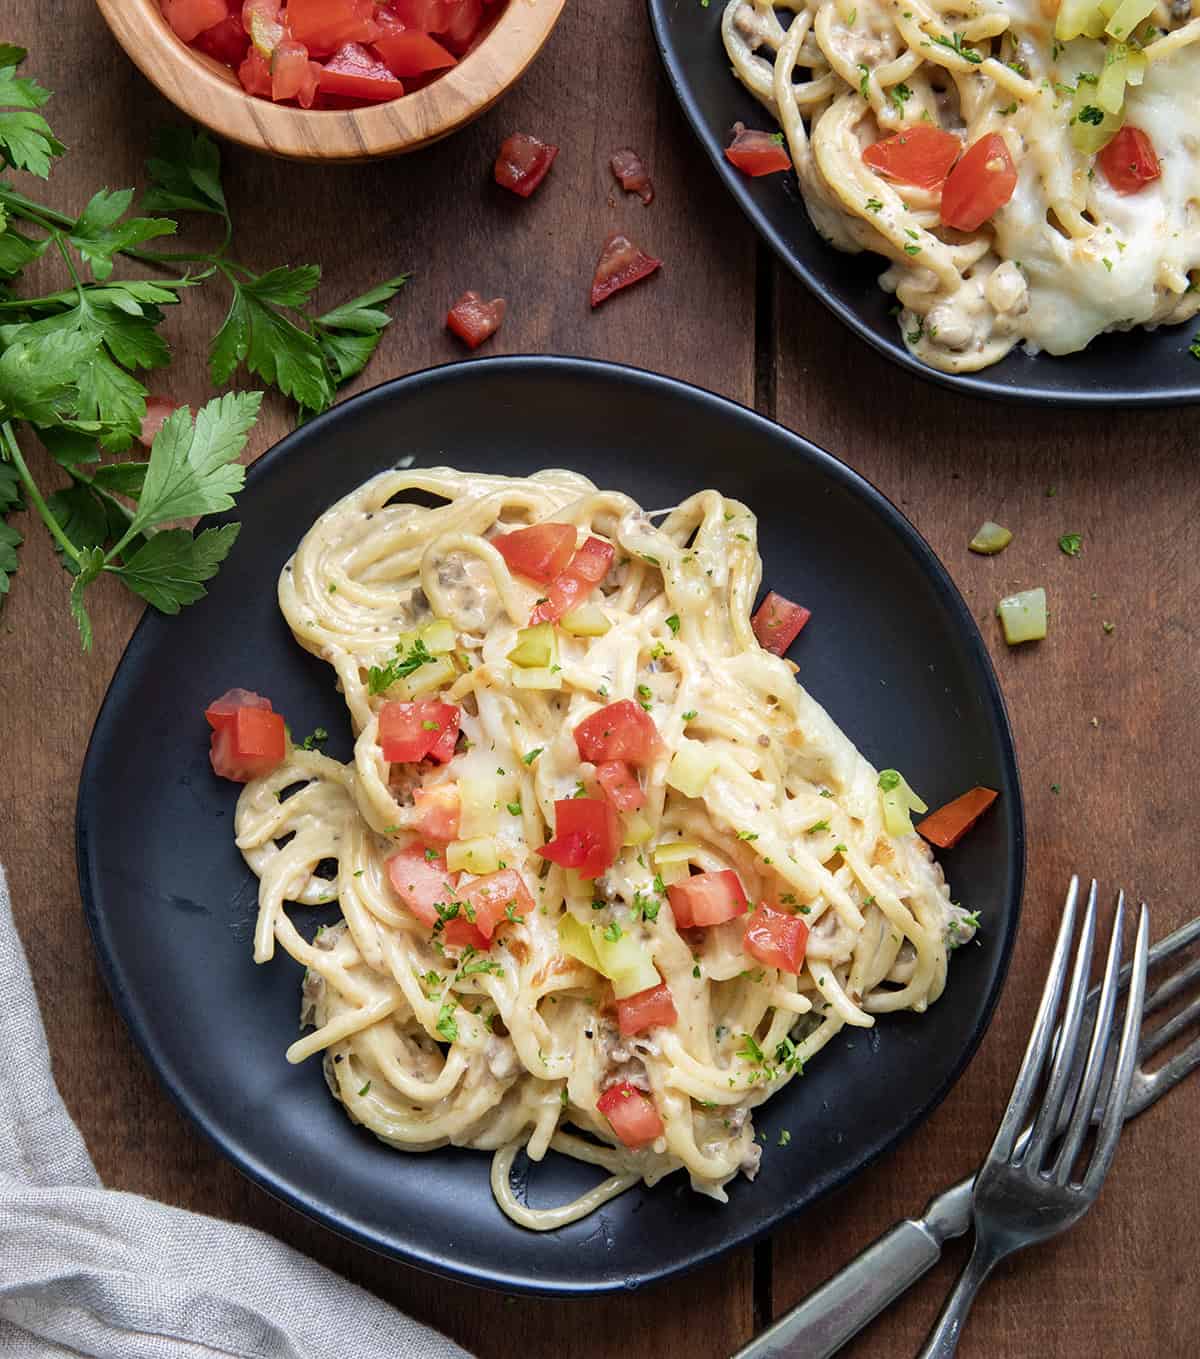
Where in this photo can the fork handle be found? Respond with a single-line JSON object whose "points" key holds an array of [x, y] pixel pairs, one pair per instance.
{"points": [[943, 1339]]}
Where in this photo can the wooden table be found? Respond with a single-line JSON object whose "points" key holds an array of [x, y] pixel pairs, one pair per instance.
{"points": [[1106, 721]]}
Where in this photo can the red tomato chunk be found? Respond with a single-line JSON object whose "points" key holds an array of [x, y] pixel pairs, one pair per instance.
{"points": [[248, 738], [409, 732], [421, 882], [587, 836], [631, 1114], [757, 153], [491, 897], [523, 163], [293, 76], [776, 939], [621, 786], [645, 1010], [588, 568], [353, 73], [620, 264], [324, 26], [158, 408], [189, 18], [947, 826], [620, 731], [437, 812], [225, 42], [778, 623], [982, 182], [473, 320], [632, 175], [707, 899], [1130, 161], [920, 155], [540, 552], [408, 51]]}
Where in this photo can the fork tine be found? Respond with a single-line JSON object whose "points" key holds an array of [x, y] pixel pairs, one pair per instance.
{"points": [[1064, 1068], [1171, 1073], [1166, 991], [1016, 1115], [1114, 1114], [1158, 1038]]}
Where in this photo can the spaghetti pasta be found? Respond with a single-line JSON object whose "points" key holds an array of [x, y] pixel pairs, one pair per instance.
{"points": [[1070, 254], [505, 1042]]}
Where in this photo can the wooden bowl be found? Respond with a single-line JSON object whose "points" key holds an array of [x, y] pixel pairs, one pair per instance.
{"points": [[210, 93]]}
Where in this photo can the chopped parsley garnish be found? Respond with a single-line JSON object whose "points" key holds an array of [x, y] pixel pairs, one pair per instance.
{"points": [[691, 713], [431, 726], [955, 44], [864, 85], [533, 754], [784, 1137], [673, 623], [898, 94], [514, 809], [747, 835], [874, 205], [478, 965], [446, 1025], [612, 932], [889, 779], [1091, 114], [365, 1088], [314, 739], [512, 914], [817, 826], [1071, 544], [646, 907], [912, 249], [788, 1057], [380, 678]]}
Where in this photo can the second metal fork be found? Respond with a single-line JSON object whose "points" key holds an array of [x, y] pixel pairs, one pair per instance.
{"points": [[1025, 1193]]}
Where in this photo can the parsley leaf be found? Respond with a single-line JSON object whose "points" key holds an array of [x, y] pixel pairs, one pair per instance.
{"points": [[185, 174], [955, 44], [99, 233], [380, 678], [169, 570], [1071, 544], [26, 141], [91, 563], [447, 1027]]}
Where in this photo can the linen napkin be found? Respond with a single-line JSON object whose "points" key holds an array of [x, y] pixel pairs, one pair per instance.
{"points": [[90, 1271]]}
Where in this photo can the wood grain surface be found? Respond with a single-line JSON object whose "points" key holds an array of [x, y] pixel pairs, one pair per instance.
{"points": [[1105, 721]]}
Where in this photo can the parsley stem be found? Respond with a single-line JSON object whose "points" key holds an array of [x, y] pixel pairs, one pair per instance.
{"points": [[123, 511], [12, 449], [67, 297]]}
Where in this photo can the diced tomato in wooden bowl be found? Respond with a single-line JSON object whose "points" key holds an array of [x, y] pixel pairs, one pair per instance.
{"points": [[324, 54]]}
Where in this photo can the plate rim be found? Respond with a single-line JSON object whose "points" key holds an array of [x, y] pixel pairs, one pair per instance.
{"points": [[432, 1260], [1086, 398]]}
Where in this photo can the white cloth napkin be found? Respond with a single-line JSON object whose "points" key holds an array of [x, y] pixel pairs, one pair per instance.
{"points": [[86, 1270]]}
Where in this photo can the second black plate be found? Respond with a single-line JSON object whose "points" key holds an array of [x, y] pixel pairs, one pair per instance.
{"points": [[892, 651]]}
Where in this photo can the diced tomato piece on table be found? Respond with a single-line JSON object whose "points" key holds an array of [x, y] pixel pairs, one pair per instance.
{"points": [[221, 712], [189, 18], [947, 826], [621, 786], [409, 732], [541, 551], [1130, 161], [646, 1009], [618, 731], [255, 74], [327, 26], [523, 163], [587, 836], [355, 73], [776, 939], [631, 173], [251, 745], [707, 899], [408, 51], [473, 320], [757, 153], [621, 263], [920, 155], [293, 76], [420, 880], [226, 42], [981, 183], [491, 896], [778, 622], [588, 568], [437, 812], [463, 21], [631, 1114], [158, 408]]}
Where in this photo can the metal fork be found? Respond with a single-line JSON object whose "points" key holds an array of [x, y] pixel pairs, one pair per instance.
{"points": [[1024, 1192]]}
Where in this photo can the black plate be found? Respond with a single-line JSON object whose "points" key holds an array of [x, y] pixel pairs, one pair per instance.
{"points": [[1139, 368], [892, 651]]}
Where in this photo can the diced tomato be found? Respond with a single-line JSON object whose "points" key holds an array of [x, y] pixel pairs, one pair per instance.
{"points": [[473, 320], [430, 16], [408, 51], [757, 153], [189, 18], [620, 264], [253, 744], [226, 42], [621, 786], [409, 732], [437, 812], [776, 939], [947, 826], [157, 410], [540, 552], [460, 933], [778, 622], [490, 898], [263, 21], [293, 76], [631, 173], [461, 25], [420, 879], [979, 184], [619, 731], [645, 1010], [707, 899], [221, 712], [587, 836], [523, 163], [355, 74], [631, 1114], [920, 155], [1130, 161], [588, 568], [255, 74], [326, 26]]}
